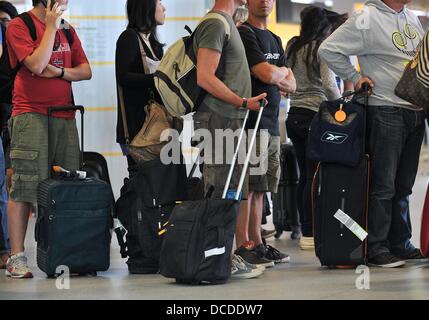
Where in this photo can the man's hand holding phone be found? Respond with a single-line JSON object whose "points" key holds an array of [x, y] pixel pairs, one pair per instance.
{"points": [[53, 15]]}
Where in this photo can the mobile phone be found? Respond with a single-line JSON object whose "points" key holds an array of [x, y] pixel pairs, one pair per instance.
{"points": [[45, 3]]}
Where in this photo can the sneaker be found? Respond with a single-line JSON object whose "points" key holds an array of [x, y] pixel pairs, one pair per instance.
{"points": [[296, 233], [386, 260], [248, 253], [275, 255], [414, 254], [240, 270], [266, 234], [17, 268], [306, 243], [252, 266]]}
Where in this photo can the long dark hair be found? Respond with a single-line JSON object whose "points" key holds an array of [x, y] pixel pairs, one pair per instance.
{"points": [[141, 17], [9, 8], [315, 27]]}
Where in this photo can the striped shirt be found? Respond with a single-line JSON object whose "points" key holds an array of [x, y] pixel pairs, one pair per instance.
{"points": [[423, 63]]}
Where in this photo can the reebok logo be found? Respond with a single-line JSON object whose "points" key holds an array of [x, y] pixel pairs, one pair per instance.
{"points": [[334, 137]]}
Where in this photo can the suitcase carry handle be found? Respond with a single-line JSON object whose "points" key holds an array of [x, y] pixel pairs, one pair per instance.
{"points": [[363, 89], [246, 163], [52, 110]]}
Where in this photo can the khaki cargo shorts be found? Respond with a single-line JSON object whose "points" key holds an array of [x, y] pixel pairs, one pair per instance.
{"points": [[219, 150], [265, 164], [29, 151]]}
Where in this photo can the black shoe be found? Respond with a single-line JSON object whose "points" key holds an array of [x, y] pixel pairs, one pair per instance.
{"points": [[251, 256], [386, 260], [414, 254], [275, 255], [272, 254], [296, 233]]}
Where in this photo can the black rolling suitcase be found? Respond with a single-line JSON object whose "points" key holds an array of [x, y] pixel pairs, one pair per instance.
{"points": [[200, 234], [345, 188], [74, 222], [340, 206], [285, 206]]}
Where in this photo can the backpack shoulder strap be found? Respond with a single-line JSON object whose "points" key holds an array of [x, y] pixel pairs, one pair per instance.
{"points": [[25, 16], [246, 26], [67, 32], [215, 15]]}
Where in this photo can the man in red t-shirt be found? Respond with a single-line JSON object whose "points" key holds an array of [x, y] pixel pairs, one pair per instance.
{"points": [[47, 68]]}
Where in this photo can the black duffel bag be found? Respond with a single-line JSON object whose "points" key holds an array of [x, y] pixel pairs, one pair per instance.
{"points": [[143, 209]]}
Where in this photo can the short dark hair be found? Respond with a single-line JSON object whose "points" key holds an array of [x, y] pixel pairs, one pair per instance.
{"points": [[9, 8], [141, 17], [36, 2]]}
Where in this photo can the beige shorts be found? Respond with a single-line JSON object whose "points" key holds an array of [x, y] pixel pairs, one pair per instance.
{"points": [[29, 151], [265, 164]]}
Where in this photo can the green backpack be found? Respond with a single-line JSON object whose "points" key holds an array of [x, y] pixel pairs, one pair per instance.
{"points": [[176, 76]]}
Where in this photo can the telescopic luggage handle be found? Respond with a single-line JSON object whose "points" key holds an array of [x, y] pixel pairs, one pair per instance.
{"points": [[52, 110], [246, 163]]}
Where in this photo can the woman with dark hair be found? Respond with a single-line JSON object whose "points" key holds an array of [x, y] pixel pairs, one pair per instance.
{"points": [[7, 12], [137, 84], [315, 84]]}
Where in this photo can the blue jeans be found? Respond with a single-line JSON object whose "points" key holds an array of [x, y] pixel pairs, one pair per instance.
{"points": [[395, 137], [4, 236]]}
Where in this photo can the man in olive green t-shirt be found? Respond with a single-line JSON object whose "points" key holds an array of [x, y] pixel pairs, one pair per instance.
{"points": [[229, 95]]}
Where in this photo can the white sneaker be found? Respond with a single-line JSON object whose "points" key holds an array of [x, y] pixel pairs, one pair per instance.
{"points": [[306, 243], [241, 270], [17, 267]]}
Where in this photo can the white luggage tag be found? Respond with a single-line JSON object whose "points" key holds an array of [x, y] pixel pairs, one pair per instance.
{"points": [[352, 225], [117, 225]]}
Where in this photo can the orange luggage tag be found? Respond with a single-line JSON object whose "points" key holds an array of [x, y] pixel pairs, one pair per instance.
{"points": [[340, 115]]}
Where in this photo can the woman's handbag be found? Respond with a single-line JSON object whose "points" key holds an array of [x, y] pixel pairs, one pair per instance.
{"points": [[153, 136], [410, 88]]}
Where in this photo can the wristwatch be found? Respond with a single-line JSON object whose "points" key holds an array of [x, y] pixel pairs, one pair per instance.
{"points": [[244, 104], [63, 71]]}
